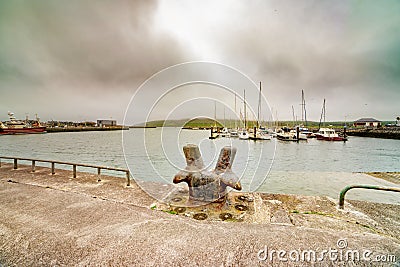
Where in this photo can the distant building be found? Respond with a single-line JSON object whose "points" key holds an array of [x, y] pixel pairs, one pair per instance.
{"points": [[367, 122], [106, 123], [87, 123]]}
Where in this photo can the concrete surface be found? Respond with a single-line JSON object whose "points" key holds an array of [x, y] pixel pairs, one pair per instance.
{"points": [[55, 220]]}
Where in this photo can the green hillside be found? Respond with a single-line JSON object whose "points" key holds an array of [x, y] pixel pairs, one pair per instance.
{"points": [[207, 122]]}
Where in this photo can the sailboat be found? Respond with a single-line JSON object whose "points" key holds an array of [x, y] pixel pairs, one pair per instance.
{"points": [[257, 133], [225, 131], [327, 134], [215, 134], [296, 131], [243, 134], [303, 127], [234, 132]]}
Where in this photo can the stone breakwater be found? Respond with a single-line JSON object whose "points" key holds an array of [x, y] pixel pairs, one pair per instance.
{"points": [[96, 220], [388, 133]]}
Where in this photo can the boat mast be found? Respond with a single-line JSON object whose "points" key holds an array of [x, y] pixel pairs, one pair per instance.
{"points": [[244, 102], [235, 111], [293, 116], [302, 106], [215, 114], [322, 114], [303, 109], [259, 108], [224, 118]]}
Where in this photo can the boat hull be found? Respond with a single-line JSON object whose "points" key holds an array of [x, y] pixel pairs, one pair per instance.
{"points": [[285, 137], [329, 138], [31, 130]]}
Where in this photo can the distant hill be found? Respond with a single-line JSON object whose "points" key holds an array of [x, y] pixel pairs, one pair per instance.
{"points": [[207, 122], [199, 122]]}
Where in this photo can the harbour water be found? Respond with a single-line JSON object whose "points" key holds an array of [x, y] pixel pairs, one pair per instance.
{"points": [[309, 168]]}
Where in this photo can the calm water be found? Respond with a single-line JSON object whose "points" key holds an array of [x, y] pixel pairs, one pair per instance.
{"points": [[310, 168]]}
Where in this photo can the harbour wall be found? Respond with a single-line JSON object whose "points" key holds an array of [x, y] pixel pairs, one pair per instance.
{"points": [[84, 129], [387, 133]]}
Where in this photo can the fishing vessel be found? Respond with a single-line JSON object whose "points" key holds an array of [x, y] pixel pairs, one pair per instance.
{"points": [[14, 126]]}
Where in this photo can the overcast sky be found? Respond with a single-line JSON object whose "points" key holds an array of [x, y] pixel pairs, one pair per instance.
{"points": [[83, 60]]}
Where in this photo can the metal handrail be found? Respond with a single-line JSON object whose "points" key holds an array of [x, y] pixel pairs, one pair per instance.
{"points": [[374, 187], [74, 165]]}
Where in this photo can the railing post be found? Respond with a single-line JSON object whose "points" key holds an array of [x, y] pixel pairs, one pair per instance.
{"points": [[53, 170], [15, 164], [33, 166], [74, 170], [0, 162], [128, 178], [98, 174]]}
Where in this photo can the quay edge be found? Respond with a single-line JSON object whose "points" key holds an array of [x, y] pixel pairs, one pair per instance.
{"points": [[59, 220]]}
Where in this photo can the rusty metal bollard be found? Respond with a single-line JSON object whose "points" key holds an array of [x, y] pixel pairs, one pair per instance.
{"points": [[208, 186]]}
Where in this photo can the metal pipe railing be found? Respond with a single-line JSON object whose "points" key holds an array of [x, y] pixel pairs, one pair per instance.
{"points": [[374, 187], [74, 166]]}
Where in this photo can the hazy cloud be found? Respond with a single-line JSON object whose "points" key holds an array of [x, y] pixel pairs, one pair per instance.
{"points": [[74, 52]]}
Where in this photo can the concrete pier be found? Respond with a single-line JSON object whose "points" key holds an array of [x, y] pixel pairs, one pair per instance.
{"points": [[58, 220]]}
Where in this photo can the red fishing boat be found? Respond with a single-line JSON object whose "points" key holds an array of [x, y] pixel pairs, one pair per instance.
{"points": [[14, 126]]}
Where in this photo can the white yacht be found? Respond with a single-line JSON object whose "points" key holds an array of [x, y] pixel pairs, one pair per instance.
{"points": [[243, 134]]}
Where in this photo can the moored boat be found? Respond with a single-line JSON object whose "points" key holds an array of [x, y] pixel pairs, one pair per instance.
{"points": [[14, 126], [328, 134], [285, 134], [243, 134], [225, 132], [233, 133], [301, 136]]}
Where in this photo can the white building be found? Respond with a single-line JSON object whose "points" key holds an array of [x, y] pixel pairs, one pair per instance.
{"points": [[367, 122]]}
